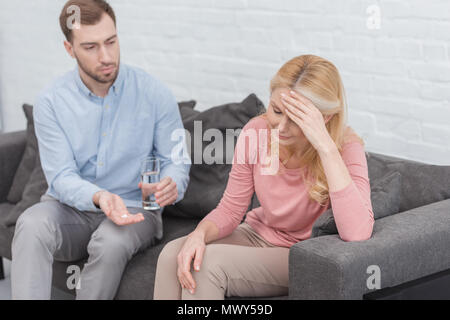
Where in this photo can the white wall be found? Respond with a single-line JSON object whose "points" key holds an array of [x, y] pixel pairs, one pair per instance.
{"points": [[397, 77]]}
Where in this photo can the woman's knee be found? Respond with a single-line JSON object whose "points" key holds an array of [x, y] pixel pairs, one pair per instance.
{"points": [[215, 265], [169, 253]]}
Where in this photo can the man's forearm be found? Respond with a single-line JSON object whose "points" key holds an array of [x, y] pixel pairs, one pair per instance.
{"points": [[76, 192]]}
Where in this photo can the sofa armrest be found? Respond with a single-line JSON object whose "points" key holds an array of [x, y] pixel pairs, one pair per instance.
{"points": [[12, 146], [405, 246]]}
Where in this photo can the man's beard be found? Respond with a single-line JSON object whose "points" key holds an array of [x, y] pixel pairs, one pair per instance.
{"points": [[99, 77]]}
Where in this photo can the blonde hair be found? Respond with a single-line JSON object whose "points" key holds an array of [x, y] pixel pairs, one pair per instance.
{"points": [[319, 80]]}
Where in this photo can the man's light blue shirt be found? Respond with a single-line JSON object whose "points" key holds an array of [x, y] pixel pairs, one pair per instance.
{"points": [[88, 143]]}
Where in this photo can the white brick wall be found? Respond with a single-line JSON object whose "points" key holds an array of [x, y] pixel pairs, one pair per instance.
{"points": [[397, 77]]}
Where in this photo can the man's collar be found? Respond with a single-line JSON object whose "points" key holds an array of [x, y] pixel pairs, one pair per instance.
{"points": [[116, 86], [80, 83]]}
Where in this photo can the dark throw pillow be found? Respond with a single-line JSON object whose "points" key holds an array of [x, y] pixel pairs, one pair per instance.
{"points": [[422, 183], [208, 181], [28, 161], [385, 197], [187, 111], [34, 189], [29, 181]]}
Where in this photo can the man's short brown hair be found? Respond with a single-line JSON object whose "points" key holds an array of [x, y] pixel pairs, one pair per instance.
{"points": [[91, 12]]}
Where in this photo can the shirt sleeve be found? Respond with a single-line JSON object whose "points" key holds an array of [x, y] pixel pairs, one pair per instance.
{"points": [[170, 144], [239, 190], [58, 161], [352, 207]]}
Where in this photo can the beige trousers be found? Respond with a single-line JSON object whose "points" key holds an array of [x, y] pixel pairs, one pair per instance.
{"points": [[242, 264]]}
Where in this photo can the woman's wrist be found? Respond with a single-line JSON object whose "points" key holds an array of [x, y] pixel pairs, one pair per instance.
{"points": [[328, 148], [206, 231], [199, 233]]}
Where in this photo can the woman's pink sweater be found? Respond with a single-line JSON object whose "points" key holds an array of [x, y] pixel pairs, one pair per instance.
{"points": [[287, 213]]}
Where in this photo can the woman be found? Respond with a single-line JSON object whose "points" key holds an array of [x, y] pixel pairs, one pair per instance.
{"points": [[321, 163]]}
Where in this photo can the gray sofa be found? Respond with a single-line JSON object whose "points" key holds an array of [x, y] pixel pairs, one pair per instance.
{"points": [[408, 245]]}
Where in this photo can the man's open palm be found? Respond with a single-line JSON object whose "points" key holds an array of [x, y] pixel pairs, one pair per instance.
{"points": [[115, 209]]}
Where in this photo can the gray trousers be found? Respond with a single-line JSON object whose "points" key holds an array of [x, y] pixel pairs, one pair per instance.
{"points": [[50, 231]]}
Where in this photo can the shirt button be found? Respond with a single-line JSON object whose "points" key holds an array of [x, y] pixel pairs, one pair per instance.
{"points": [[100, 164], [104, 134], [106, 107]]}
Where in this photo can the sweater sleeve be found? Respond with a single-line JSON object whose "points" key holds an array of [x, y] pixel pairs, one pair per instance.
{"points": [[240, 186], [352, 207]]}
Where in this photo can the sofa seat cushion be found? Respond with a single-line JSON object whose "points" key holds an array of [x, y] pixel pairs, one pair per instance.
{"points": [[139, 275], [6, 233], [6, 237], [5, 209]]}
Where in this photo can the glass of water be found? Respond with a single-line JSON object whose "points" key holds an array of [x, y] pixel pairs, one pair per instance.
{"points": [[150, 167]]}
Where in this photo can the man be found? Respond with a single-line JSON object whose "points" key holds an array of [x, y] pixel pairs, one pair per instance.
{"points": [[94, 126]]}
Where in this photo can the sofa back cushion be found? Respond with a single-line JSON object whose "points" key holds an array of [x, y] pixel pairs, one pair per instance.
{"points": [[385, 199], [397, 185], [208, 180], [422, 183]]}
